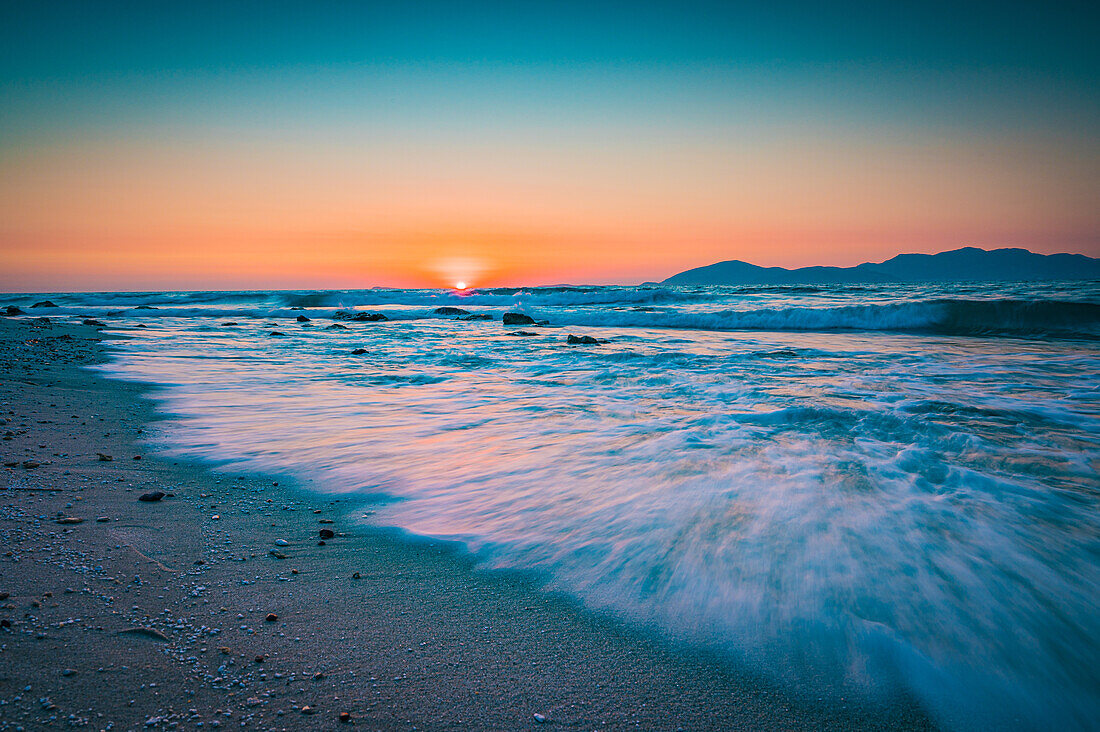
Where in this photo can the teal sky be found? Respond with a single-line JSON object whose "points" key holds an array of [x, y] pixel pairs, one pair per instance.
{"points": [[998, 99]]}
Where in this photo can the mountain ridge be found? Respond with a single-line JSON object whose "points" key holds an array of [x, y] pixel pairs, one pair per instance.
{"points": [[967, 264]]}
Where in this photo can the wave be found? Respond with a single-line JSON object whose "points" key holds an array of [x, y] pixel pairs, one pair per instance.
{"points": [[942, 317]]}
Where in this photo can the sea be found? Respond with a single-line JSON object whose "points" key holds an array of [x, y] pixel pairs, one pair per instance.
{"points": [[855, 490]]}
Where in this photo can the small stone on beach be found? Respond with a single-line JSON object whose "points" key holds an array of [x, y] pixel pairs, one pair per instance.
{"points": [[271, 617], [327, 533], [151, 497]]}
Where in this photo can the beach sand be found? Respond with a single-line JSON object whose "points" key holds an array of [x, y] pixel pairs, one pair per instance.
{"points": [[153, 614]]}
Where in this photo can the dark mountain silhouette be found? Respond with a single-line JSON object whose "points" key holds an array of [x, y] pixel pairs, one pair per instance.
{"points": [[968, 264]]}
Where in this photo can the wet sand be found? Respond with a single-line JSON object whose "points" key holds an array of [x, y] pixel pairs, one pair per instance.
{"points": [[147, 615]]}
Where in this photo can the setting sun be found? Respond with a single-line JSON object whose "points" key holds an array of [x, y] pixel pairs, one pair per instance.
{"points": [[460, 285]]}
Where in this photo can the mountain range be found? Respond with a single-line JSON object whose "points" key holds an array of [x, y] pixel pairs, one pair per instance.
{"points": [[957, 265]]}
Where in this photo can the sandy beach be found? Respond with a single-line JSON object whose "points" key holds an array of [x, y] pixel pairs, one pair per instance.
{"points": [[220, 605]]}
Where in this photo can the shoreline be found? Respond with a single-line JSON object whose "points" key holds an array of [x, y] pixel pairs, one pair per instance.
{"points": [[421, 639]]}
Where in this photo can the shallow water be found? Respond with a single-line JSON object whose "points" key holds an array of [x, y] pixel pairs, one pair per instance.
{"points": [[856, 489]]}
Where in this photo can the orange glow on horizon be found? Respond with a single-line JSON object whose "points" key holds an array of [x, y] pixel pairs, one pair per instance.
{"points": [[208, 215]]}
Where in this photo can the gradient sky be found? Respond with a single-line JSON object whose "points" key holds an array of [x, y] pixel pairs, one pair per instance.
{"points": [[274, 144]]}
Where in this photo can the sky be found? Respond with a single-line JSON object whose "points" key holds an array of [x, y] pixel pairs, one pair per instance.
{"points": [[221, 145]]}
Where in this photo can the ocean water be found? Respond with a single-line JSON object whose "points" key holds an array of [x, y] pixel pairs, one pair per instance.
{"points": [[858, 490]]}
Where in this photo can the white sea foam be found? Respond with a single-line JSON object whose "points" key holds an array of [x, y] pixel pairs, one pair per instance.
{"points": [[850, 500]]}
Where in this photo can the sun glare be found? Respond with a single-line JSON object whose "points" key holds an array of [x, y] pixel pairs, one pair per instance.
{"points": [[460, 285]]}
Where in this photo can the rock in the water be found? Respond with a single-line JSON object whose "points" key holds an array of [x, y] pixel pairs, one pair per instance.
{"points": [[518, 319], [336, 326], [89, 321], [145, 307], [327, 533], [276, 333], [152, 497], [358, 351], [477, 316], [362, 317], [44, 304], [231, 322], [522, 333], [584, 340], [447, 310], [12, 310], [303, 319]]}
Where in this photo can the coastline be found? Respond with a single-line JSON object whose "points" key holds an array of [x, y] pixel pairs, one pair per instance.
{"points": [[420, 640]]}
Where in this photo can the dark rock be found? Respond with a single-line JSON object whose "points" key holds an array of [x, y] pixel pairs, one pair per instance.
{"points": [[361, 317], [145, 307], [137, 457], [92, 321], [450, 311], [140, 325], [522, 333], [12, 310], [151, 497], [230, 323], [5, 623], [276, 333], [303, 319], [271, 617], [355, 576], [336, 326], [28, 464], [345, 717], [327, 533], [114, 312], [103, 458], [584, 340], [518, 319], [259, 659], [277, 555], [44, 304], [358, 351], [477, 316], [68, 520]]}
